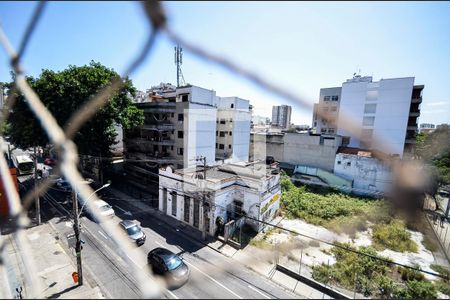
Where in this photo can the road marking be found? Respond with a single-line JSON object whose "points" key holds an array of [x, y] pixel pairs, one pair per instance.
{"points": [[214, 280], [172, 294], [256, 290], [103, 234], [124, 211]]}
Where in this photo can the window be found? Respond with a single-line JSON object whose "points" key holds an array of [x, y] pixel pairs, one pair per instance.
{"points": [[187, 205], [180, 117], [333, 108], [222, 134], [339, 162], [180, 134], [221, 146], [334, 98], [222, 121], [180, 151], [174, 204], [231, 120], [171, 147], [366, 134], [368, 121], [349, 164], [172, 115], [184, 98], [371, 95], [217, 133], [231, 132], [216, 145], [330, 130], [232, 105], [229, 146], [323, 130], [326, 98], [370, 108]]}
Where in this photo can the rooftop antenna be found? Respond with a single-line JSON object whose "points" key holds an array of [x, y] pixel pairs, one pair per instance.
{"points": [[178, 63]]}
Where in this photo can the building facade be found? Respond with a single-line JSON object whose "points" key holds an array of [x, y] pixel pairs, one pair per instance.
{"points": [[370, 175], [232, 191], [325, 113], [233, 129], [281, 116], [378, 115]]}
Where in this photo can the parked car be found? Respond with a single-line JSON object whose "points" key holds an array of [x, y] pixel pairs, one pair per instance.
{"points": [[134, 231], [49, 162], [169, 265], [63, 185]]}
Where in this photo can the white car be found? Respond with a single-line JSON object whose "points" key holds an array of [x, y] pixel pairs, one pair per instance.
{"points": [[105, 209]]}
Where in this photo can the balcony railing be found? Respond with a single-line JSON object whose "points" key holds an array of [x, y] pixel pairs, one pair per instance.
{"points": [[158, 126], [416, 100]]}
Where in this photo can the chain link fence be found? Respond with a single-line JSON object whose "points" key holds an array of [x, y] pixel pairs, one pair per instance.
{"points": [[61, 138]]}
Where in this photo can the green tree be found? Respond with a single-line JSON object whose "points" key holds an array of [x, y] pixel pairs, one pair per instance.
{"points": [[63, 93], [434, 148]]}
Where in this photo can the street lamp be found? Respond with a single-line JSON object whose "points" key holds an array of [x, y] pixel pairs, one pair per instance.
{"points": [[104, 186], [76, 228]]}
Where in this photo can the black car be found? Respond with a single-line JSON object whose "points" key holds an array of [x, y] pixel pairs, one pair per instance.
{"points": [[169, 265]]}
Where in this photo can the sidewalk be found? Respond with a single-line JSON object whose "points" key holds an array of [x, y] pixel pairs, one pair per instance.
{"points": [[53, 265], [258, 260]]}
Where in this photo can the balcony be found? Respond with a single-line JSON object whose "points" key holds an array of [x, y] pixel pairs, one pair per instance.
{"points": [[416, 100], [414, 113], [158, 126], [157, 107]]}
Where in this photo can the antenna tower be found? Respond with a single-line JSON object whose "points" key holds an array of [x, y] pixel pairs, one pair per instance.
{"points": [[178, 63]]}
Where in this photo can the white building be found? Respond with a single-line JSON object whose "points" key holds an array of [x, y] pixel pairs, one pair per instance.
{"points": [[371, 175], [383, 114], [234, 190], [281, 116], [233, 129]]}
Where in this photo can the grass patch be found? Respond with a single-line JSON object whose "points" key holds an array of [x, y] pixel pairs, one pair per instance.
{"points": [[373, 278], [441, 269], [336, 211], [260, 243], [394, 236]]}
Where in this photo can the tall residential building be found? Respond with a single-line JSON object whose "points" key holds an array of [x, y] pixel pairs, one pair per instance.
{"points": [[329, 107], [181, 124], [233, 129], [281, 116], [379, 115]]}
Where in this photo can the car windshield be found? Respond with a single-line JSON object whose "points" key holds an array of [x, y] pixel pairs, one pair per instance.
{"points": [[172, 261], [133, 230], [105, 207]]}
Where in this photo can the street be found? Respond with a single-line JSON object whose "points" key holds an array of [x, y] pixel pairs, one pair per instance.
{"points": [[212, 274]]}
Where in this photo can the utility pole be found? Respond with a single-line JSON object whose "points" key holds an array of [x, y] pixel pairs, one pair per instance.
{"points": [[76, 229], [203, 158], [36, 197]]}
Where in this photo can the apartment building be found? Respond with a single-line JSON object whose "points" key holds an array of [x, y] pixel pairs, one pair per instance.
{"points": [[380, 115], [182, 123], [328, 107], [281, 116], [427, 127], [179, 125], [233, 129]]}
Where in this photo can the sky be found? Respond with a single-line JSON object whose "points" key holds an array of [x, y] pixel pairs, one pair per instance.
{"points": [[299, 46]]}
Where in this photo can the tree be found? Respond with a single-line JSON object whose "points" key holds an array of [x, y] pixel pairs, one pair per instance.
{"points": [[434, 148], [63, 93]]}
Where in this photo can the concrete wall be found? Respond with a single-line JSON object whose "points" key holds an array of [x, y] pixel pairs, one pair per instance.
{"points": [[369, 174], [310, 150]]}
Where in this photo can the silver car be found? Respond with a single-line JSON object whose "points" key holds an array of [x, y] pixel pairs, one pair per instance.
{"points": [[133, 231]]}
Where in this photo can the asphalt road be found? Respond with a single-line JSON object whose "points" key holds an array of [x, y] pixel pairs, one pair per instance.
{"points": [[212, 274]]}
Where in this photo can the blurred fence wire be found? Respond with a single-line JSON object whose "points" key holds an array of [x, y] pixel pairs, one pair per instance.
{"points": [[61, 138]]}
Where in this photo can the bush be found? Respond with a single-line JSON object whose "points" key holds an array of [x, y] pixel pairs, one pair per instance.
{"points": [[393, 236], [416, 290], [332, 209]]}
